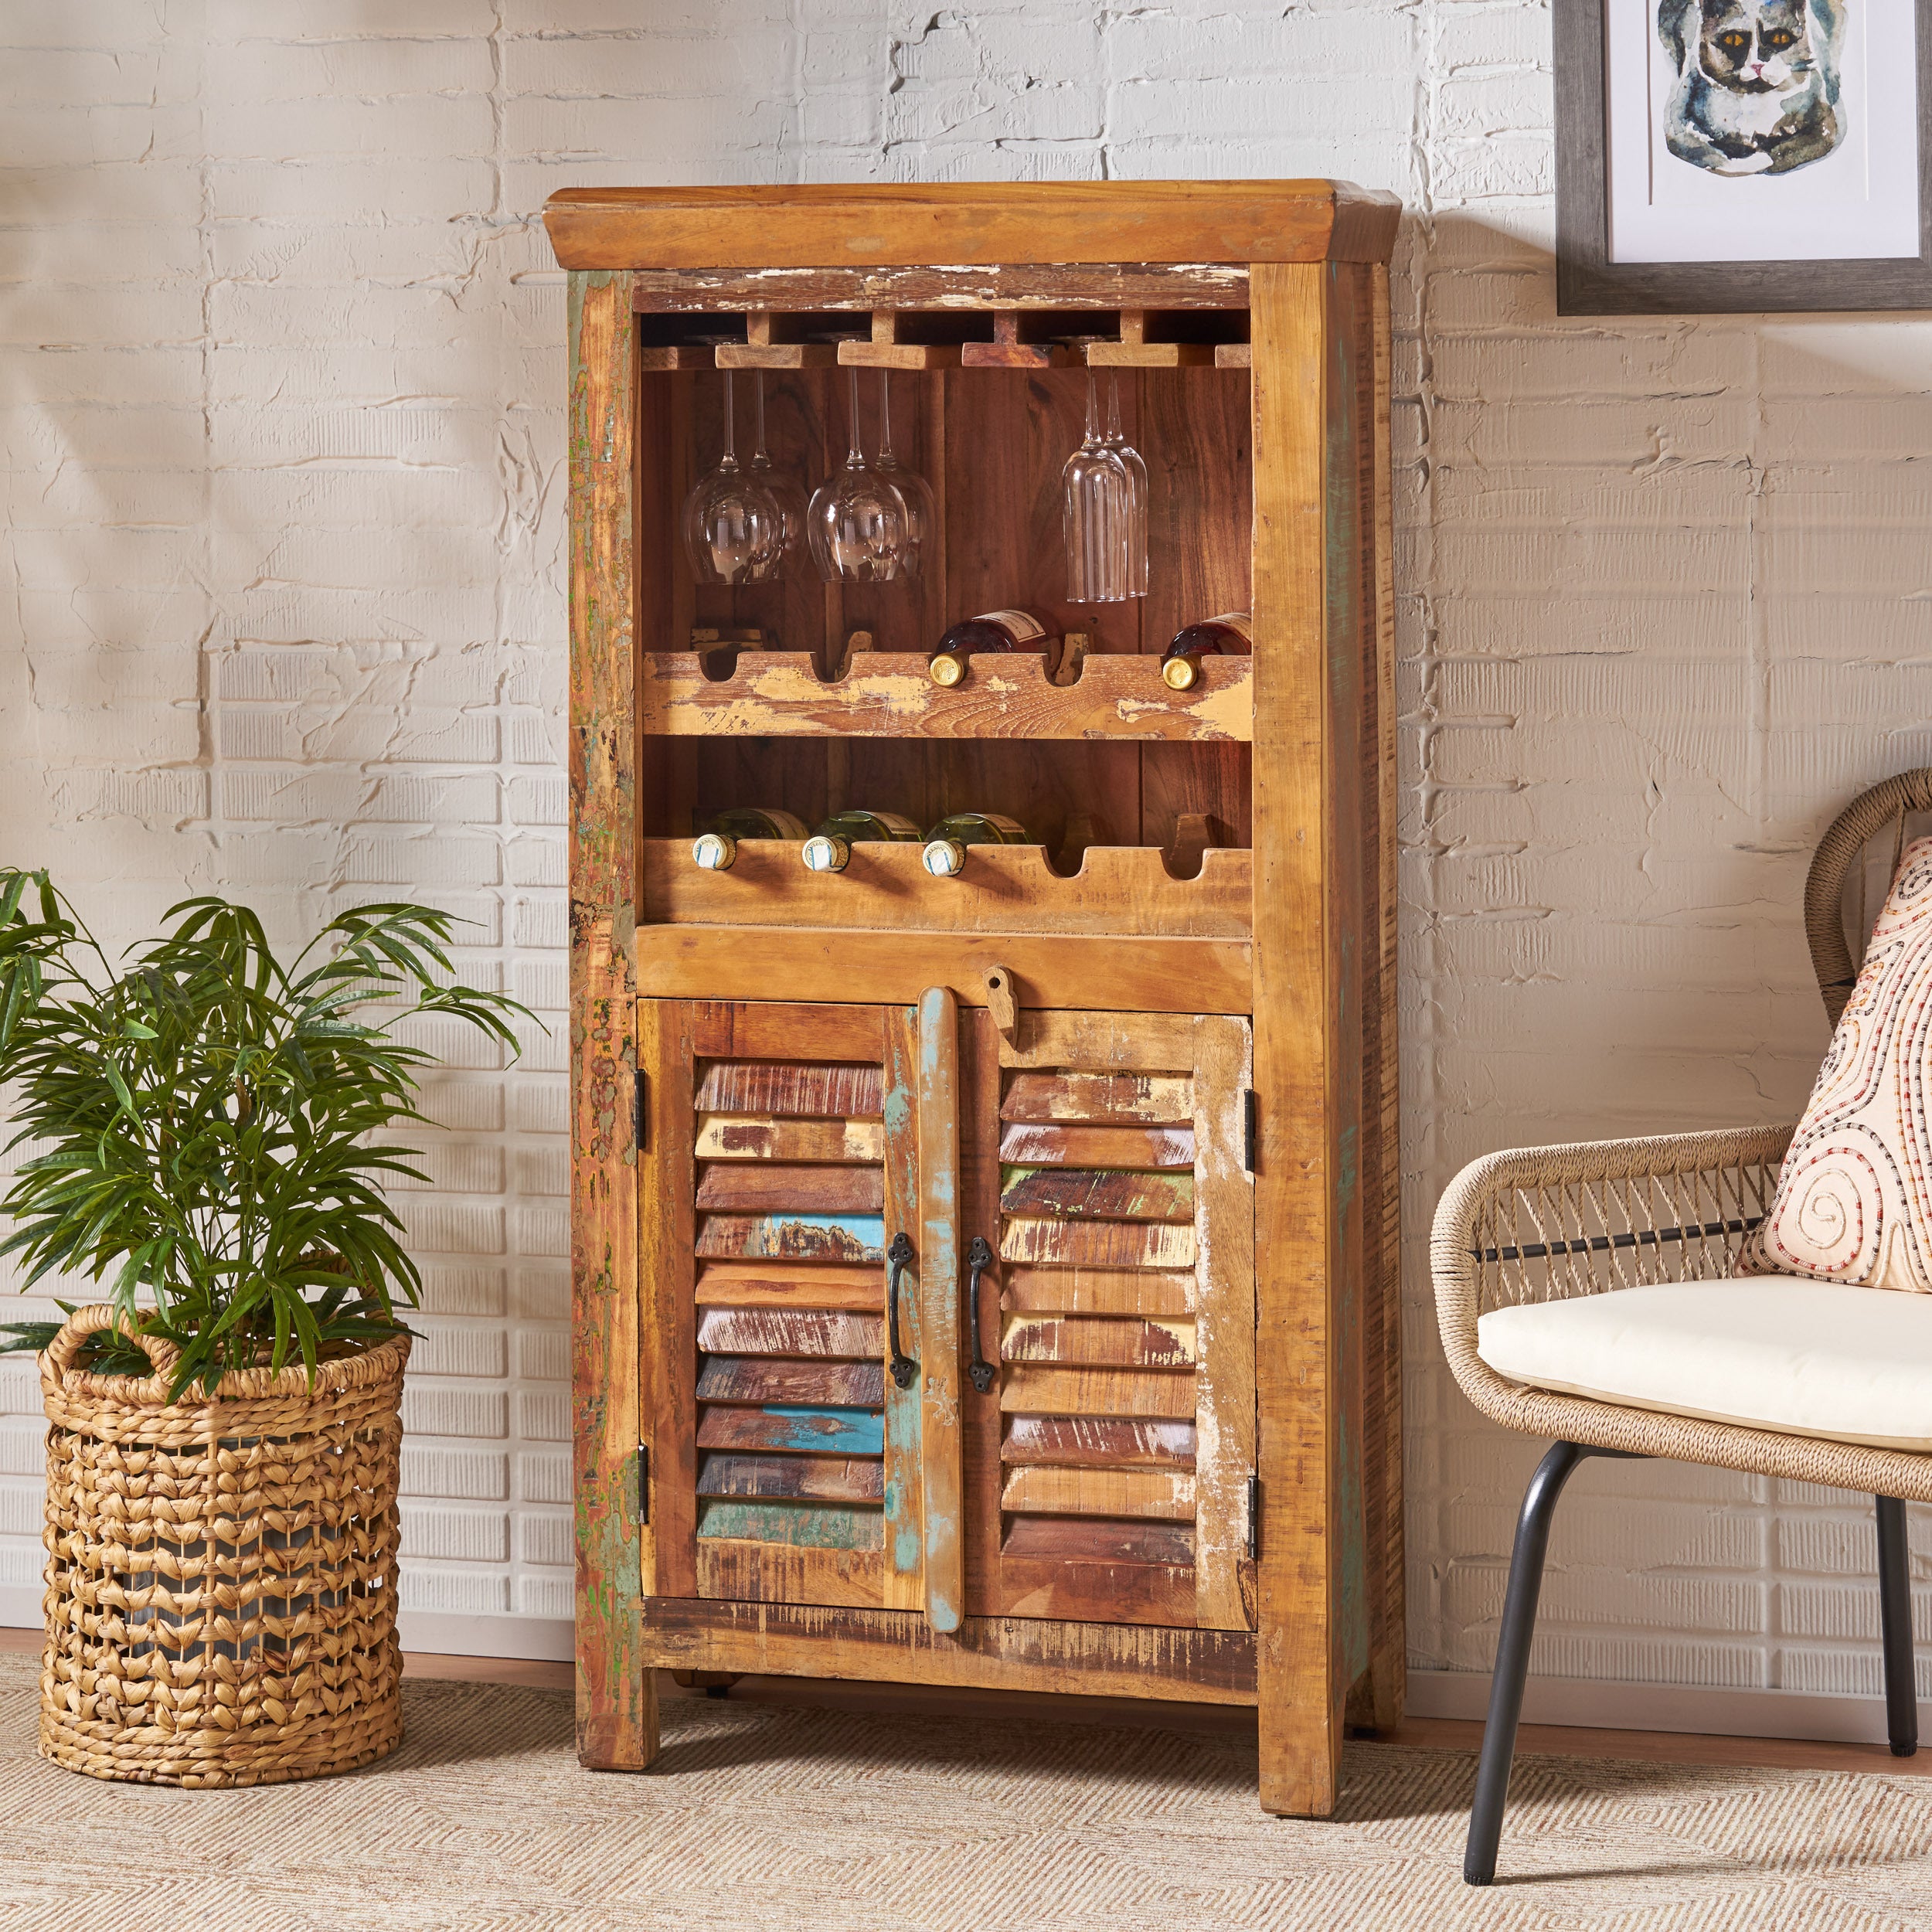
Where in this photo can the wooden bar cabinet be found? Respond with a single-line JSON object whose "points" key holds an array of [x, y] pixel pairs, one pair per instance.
{"points": [[989, 1280]]}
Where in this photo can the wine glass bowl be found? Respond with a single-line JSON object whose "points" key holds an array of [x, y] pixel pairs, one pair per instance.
{"points": [[857, 523], [733, 527]]}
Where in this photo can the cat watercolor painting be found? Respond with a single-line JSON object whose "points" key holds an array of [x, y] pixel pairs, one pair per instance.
{"points": [[1757, 90]]}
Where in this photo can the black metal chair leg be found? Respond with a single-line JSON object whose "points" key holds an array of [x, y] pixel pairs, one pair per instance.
{"points": [[1512, 1655], [1895, 1624]]}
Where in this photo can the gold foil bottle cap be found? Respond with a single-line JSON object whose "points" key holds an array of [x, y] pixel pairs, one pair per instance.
{"points": [[1180, 674], [947, 668], [714, 851], [823, 853], [944, 858]]}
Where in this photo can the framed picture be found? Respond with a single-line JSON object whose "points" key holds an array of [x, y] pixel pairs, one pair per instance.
{"points": [[1720, 155]]}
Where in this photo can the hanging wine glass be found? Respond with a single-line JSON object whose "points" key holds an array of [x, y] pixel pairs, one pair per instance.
{"points": [[1136, 560], [921, 509], [733, 529], [857, 521], [784, 489], [1097, 516]]}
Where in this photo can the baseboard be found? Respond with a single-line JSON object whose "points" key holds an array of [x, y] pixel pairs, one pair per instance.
{"points": [[549, 1639], [1594, 1705]]}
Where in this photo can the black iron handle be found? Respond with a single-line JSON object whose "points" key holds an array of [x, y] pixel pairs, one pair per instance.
{"points": [[979, 1258], [900, 1255]]}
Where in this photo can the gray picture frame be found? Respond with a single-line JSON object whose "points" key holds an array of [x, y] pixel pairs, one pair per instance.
{"points": [[1588, 283]]}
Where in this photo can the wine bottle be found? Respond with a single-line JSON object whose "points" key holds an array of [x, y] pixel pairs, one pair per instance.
{"points": [[829, 849], [1230, 635], [716, 847], [994, 630], [945, 853]]}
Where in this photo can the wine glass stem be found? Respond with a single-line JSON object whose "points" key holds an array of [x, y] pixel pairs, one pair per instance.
{"points": [[1113, 407], [758, 391], [885, 416], [854, 454], [731, 447], [1093, 408]]}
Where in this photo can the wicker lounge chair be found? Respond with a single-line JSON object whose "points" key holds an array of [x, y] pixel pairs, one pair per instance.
{"points": [[1538, 1226]]}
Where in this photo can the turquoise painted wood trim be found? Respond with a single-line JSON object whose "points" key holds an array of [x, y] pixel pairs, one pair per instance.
{"points": [[939, 1294], [831, 1432], [804, 1525], [904, 1501]]}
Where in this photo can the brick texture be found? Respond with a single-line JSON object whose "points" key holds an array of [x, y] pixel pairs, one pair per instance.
{"points": [[282, 442]]}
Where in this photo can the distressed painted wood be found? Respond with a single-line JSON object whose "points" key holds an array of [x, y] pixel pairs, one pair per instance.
{"points": [[789, 1284], [1097, 1344], [617, 1713], [762, 1029], [779, 1086], [1054, 1491], [904, 1580], [941, 1281], [1103, 1539], [774, 1188], [814, 1525], [1156, 1042], [1158, 1099], [1093, 1442], [1122, 1291], [1130, 975], [805, 1332], [776, 694], [667, 1355], [795, 1478], [1024, 1143], [929, 288], [1123, 890], [796, 1237], [1028, 1388], [793, 1428], [1100, 1244], [765, 1573], [1100, 1195], [834, 1385], [1100, 1592], [1224, 1390], [740, 1137], [989, 1653]]}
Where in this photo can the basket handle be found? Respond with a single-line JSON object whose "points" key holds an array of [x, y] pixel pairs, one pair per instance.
{"points": [[62, 1350]]}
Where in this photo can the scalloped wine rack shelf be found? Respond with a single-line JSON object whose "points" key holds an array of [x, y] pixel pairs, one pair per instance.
{"points": [[777, 694], [1124, 891]]}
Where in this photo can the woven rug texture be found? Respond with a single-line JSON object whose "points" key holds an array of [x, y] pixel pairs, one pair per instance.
{"points": [[761, 1819]]}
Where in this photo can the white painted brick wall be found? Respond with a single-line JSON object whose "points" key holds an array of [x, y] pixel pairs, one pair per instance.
{"points": [[283, 443]]}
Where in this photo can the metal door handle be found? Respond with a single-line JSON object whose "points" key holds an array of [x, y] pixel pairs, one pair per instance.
{"points": [[900, 1255], [979, 1258]]}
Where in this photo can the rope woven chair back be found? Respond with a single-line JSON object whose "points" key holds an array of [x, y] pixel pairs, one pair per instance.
{"points": [[1851, 873]]}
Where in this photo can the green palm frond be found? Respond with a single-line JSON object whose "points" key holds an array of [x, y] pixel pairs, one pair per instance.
{"points": [[206, 1115]]}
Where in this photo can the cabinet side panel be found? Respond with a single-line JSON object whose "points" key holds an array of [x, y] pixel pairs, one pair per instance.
{"points": [[616, 1698], [1295, 1364]]}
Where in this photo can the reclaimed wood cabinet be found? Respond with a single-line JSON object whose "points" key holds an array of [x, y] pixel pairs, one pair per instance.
{"points": [[989, 1280]]}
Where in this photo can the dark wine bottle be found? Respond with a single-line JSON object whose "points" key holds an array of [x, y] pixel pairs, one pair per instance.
{"points": [[829, 849], [992, 631], [1230, 635], [945, 853], [716, 847]]}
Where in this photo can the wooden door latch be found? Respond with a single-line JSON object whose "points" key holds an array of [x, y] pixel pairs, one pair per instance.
{"points": [[1003, 1002]]}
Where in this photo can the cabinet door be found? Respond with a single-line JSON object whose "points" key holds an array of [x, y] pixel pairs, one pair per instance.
{"points": [[1109, 1479]]}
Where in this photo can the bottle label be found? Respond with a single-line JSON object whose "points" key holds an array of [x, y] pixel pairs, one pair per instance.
{"points": [[1021, 626]]}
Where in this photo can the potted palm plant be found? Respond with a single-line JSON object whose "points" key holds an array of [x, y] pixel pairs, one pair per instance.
{"points": [[223, 1425]]}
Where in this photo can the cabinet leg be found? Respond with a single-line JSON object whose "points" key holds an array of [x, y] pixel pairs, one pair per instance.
{"points": [[1300, 1757], [617, 1726]]}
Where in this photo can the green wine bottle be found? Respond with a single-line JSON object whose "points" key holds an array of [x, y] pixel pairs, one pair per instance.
{"points": [[945, 853], [829, 849], [716, 847]]}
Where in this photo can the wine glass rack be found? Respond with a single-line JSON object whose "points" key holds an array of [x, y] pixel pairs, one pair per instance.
{"points": [[990, 1281]]}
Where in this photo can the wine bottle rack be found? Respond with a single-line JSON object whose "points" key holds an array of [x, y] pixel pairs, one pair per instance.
{"points": [[777, 694], [989, 1280], [1123, 891]]}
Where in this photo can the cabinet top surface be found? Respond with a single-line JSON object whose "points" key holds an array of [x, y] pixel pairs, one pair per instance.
{"points": [[971, 224]]}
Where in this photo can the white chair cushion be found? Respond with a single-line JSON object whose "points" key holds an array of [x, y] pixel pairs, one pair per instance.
{"points": [[1808, 1357]]}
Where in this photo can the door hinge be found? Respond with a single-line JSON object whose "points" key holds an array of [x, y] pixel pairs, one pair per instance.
{"points": [[1254, 1518], [640, 1108], [1250, 1127], [644, 1483]]}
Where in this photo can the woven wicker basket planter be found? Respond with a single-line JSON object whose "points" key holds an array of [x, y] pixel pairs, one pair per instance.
{"points": [[221, 1573]]}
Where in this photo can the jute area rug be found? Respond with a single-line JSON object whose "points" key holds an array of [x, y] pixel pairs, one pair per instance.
{"points": [[762, 1818]]}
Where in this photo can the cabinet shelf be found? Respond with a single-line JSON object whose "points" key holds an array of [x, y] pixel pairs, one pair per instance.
{"points": [[886, 694], [1123, 891]]}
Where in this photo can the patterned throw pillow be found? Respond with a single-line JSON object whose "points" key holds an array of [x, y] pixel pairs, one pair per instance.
{"points": [[1854, 1201]]}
